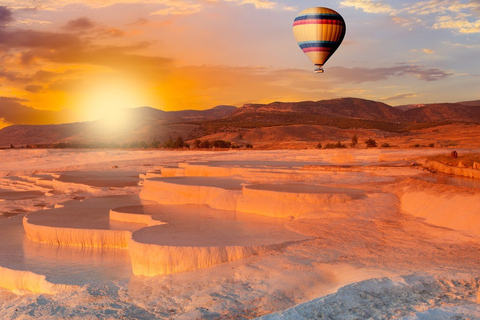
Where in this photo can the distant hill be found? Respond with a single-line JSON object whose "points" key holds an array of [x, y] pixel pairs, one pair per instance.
{"points": [[475, 103], [145, 124], [339, 108], [444, 112], [287, 122]]}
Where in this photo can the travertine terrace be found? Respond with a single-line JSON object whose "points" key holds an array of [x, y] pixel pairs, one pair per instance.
{"points": [[243, 233]]}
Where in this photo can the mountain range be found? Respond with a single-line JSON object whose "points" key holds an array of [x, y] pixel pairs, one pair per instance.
{"points": [[282, 124]]}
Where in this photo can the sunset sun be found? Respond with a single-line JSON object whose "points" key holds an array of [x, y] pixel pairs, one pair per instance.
{"points": [[106, 100]]}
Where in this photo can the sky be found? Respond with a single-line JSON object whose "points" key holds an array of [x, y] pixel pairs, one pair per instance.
{"points": [[72, 60]]}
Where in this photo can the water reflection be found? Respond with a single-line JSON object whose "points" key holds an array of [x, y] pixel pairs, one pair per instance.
{"points": [[451, 180], [60, 264], [76, 265]]}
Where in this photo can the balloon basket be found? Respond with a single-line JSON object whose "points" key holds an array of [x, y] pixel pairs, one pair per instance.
{"points": [[319, 70]]}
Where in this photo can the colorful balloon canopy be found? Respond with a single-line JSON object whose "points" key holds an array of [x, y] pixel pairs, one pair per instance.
{"points": [[319, 32]]}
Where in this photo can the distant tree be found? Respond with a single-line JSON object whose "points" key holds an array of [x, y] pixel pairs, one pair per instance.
{"points": [[249, 146], [12, 146], [330, 146], [178, 144], [133, 144], [334, 145], [197, 143], [205, 144], [143, 144], [432, 145], [155, 144], [169, 144], [371, 143], [340, 145], [319, 145], [385, 145], [354, 141], [221, 144]]}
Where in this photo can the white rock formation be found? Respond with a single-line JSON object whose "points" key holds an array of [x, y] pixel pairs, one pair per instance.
{"points": [[26, 280], [446, 206], [96, 238]]}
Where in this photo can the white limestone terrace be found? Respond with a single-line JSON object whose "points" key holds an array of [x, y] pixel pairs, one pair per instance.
{"points": [[219, 236], [190, 237], [80, 223], [281, 200], [101, 179], [396, 247]]}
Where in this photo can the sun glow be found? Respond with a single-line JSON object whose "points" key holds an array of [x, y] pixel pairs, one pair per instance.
{"points": [[106, 100]]}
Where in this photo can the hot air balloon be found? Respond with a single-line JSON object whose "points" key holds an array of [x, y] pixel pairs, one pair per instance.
{"points": [[319, 32]]}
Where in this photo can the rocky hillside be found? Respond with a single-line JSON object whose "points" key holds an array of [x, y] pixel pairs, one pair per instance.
{"points": [[298, 122]]}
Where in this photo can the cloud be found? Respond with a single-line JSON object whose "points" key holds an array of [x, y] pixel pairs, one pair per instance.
{"points": [[407, 22], [13, 76], [447, 14], [369, 6], [442, 6], [36, 39], [79, 24], [178, 8], [34, 88], [460, 25], [400, 96], [13, 111], [259, 4], [170, 7], [359, 75], [429, 51], [32, 22], [5, 16]]}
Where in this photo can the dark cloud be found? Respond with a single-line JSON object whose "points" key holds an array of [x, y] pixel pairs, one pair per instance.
{"points": [[36, 39], [5, 16], [13, 76], [79, 24], [34, 88], [72, 48], [359, 75], [42, 75], [13, 111]]}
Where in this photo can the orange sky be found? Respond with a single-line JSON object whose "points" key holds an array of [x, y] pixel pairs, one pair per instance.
{"points": [[64, 61]]}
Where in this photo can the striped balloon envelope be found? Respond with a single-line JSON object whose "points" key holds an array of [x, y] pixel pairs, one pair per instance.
{"points": [[319, 32]]}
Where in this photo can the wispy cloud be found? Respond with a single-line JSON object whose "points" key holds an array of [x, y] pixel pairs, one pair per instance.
{"points": [[461, 25], [178, 7], [429, 51], [79, 24], [369, 6], [455, 15], [259, 4], [462, 17], [359, 75], [400, 96], [34, 88], [5, 16], [442, 6], [168, 7]]}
